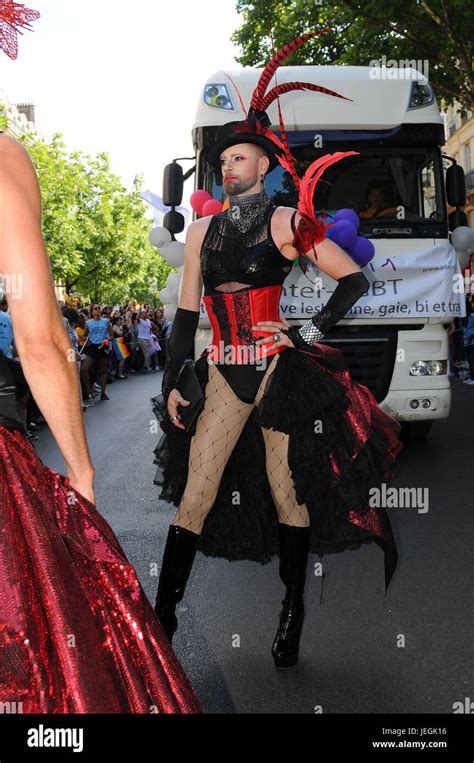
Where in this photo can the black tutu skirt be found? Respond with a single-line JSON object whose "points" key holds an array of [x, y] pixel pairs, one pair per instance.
{"points": [[333, 470]]}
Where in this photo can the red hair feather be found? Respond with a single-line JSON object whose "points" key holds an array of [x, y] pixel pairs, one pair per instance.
{"points": [[275, 61], [311, 230], [286, 87]]}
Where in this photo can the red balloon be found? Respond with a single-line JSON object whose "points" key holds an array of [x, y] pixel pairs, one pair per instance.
{"points": [[198, 199], [212, 207]]}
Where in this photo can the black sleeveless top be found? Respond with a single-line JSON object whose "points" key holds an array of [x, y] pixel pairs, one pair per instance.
{"points": [[252, 258]]}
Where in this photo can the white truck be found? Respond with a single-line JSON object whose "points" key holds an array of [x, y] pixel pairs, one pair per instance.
{"points": [[395, 338]]}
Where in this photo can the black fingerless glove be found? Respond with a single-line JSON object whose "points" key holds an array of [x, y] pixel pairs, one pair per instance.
{"points": [[348, 290], [178, 347]]}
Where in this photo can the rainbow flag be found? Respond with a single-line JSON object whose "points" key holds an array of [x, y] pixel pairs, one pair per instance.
{"points": [[120, 348]]}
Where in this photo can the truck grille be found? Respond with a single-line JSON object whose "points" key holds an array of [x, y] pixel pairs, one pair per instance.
{"points": [[370, 354]]}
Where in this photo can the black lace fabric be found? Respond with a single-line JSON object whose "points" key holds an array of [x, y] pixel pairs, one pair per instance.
{"points": [[250, 257]]}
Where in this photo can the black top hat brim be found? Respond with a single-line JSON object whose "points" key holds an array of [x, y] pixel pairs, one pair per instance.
{"points": [[213, 153]]}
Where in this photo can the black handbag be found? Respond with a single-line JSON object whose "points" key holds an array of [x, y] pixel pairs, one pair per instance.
{"points": [[190, 389]]}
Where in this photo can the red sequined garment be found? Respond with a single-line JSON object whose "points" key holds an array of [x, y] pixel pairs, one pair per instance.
{"points": [[77, 633]]}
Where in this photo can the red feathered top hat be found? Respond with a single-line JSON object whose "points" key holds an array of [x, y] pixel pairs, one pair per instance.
{"points": [[311, 228], [255, 128], [251, 130]]}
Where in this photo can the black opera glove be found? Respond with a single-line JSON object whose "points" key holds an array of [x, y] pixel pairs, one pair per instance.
{"points": [[348, 290], [178, 347]]}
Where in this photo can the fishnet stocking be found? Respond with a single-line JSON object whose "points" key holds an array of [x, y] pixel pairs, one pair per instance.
{"points": [[218, 429], [281, 483]]}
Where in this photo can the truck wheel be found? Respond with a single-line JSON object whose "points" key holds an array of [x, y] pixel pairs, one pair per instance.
{"points": [[415, 429]]}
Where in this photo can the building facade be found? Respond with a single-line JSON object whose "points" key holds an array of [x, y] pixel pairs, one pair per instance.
{"points": [[460, 145], [17, 118]]}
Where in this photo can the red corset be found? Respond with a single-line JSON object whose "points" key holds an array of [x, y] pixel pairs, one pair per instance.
{"points": [[232, 315]]}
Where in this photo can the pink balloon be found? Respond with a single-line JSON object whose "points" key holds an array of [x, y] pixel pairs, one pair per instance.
{"points": [[198, 199], [211, 207]]}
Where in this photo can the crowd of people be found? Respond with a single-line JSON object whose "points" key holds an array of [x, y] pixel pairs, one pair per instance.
{"points": [[142, 335]]}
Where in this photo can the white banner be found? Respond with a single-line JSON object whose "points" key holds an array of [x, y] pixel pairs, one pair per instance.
{"points": [[420, 284]]}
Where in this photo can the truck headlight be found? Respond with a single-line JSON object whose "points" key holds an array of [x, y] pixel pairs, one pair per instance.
{"points": [[429, 367], [218, 96], [421, 95]]}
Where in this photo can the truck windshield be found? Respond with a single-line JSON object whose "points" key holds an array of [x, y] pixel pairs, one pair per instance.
{"points": [[395, 191]]}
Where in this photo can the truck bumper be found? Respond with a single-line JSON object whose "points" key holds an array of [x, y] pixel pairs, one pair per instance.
{"points": [[399, 404]]}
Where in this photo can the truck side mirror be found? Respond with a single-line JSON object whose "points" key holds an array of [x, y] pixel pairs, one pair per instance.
{"points": [[456, 219], [173, 221], [173, 184], [455, 186]]}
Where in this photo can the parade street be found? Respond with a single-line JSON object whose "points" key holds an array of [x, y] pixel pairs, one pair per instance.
{"points": [[360, 652]]}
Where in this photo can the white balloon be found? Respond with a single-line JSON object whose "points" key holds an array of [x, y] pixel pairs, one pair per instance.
{"points": [[173, 253], [169, 311], [159, 237], [166, 295], [172, 282], [463, 238], [464, 259]]}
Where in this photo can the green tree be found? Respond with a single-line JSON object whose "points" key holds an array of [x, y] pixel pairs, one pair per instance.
{"points": [[438, 31], [95, 230]]}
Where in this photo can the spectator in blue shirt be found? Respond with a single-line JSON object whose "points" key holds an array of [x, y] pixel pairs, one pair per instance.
{"points": [[97, 329], [6, 331]]}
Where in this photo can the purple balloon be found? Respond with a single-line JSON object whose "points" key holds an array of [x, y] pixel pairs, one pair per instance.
{"points": [[348, 214], [362, 251], [342, 233]]}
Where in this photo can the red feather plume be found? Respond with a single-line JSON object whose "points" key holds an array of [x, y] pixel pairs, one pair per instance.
{"points": [[12, 17], [311, 230], [286, 87], [275, 61], [288, 155]]}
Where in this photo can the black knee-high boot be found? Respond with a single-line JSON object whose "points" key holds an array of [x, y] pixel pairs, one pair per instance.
{"points": [[178, 559], [294, 546]]}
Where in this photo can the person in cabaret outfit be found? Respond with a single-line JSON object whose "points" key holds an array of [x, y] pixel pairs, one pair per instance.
{"points": [[282, 456], [77, 633]]}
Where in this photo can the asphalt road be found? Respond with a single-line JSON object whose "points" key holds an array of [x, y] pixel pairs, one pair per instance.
{"points": [[410, 652]]}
